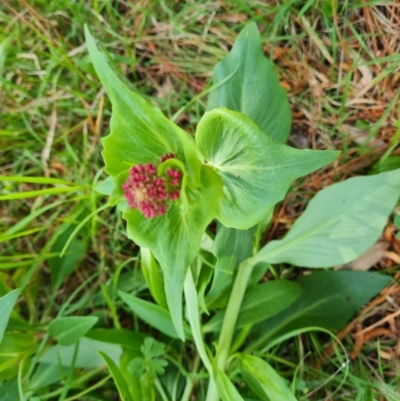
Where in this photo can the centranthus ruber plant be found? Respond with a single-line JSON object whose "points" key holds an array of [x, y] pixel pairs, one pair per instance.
{"points": [[170, 186]]}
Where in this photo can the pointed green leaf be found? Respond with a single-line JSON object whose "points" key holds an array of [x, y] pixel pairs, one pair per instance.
{"points": [[328, 300], [118, 377], [126, 338], [7, 303], [105, 187], [267, 299], [9, 389], [152, 314], [256, 171], [87, 358], [225, 387], [261, 302], [68, 330], [254, 88], [264, 380], [340, 223]]}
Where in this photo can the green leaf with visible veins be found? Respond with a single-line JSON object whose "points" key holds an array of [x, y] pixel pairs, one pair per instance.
{"points": [[253, 89], [151, 313], [140, 133], [256, 170], [260, 302], [340, 223], [68, 330], [174, 240]]}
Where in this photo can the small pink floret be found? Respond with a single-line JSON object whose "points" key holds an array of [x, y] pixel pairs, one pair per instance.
{"points": [[174, 195], [167, 156]]}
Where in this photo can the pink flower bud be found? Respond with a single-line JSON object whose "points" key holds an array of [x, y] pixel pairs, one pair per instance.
{"points": [[167, 156]]}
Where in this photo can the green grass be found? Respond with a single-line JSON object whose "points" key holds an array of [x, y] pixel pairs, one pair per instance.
{"points": [[54, 113]]}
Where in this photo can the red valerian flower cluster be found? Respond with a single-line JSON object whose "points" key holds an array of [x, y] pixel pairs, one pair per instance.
{"points": [[146, 191]]}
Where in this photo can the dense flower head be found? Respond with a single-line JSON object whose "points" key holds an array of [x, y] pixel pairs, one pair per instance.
{"points": [[151, 194]]}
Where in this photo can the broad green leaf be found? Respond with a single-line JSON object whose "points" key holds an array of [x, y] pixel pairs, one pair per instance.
{"points": [[225, 387], [264, 380], [254, 88], [153, 314], [261, 302], [88, 354], [118, 377], [9, 390], [140, 133], [174, 240], [256, 171], [68, 330], [340, 223], [45, 374], [126, 338], [7, 303], [267, 299], [328, 300], [230, 247]]}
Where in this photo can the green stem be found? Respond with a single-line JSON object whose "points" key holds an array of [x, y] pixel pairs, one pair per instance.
{"points": [[187, 393], [89, 389], [232, 312], [160, 390], [192, 305], [229, 322]]}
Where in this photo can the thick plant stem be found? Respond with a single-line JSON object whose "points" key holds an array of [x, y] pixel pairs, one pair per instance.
{"points": [[229, 322], [232, 312], [190, 381]]}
